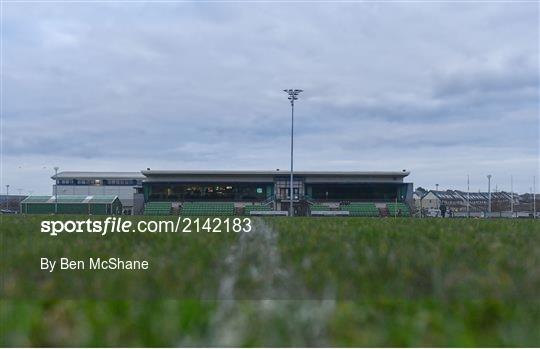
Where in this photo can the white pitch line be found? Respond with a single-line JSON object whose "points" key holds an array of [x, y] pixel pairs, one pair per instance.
{"points": [[278, 305]]}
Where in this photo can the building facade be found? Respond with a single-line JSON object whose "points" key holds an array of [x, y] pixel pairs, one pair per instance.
{"points": [[256, 187], [121, 184]]}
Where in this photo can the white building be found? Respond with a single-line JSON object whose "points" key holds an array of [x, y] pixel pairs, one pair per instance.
{"points": [[121, 184], [434, 198], [417, 200]]}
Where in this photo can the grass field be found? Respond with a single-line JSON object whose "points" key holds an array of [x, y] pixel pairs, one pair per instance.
{"points": [[289, 282]]}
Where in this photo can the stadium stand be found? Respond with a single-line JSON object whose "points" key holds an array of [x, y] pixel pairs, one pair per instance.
{"points": [[157, 209], [208, 209], [393, 209], [249, 208], [361, 209]]}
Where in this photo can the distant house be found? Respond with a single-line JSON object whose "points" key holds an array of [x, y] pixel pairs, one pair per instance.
{"points": [[11, 203], [478, 202], [418, 194], [457, 200], [417, 197], [434, 198], [525, 202]]}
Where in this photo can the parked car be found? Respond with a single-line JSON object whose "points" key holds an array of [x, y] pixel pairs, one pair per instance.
{"points": [[433, 212]]}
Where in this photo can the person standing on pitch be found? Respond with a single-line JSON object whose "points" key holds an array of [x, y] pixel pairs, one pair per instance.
{"points": [[443, 210]]}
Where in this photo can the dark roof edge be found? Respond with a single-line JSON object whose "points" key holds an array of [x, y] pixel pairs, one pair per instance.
{"points": [[273, 173]]}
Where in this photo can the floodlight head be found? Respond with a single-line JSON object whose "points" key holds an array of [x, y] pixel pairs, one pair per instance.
{"points": [[293, 94], [56, 168], [291, 91]]}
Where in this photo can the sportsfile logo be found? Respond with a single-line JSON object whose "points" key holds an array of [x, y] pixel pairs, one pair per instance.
{"points": [[122, 225], [110, 224]]}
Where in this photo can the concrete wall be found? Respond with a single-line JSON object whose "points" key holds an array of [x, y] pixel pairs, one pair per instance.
{"points": [[138, 204]]}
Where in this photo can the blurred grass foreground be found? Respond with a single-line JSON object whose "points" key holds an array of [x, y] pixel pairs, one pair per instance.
{"points": [[290, 282]]}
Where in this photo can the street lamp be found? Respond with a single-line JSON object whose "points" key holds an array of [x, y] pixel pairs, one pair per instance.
{"points": [[56, 189], [293, 96], [489, 192]]}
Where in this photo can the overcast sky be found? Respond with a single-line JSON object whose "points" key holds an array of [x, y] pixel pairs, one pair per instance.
{"points": [[442, 90]]}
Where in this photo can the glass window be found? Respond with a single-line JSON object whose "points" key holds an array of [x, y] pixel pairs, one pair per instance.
{"points": [[360, 191], [208, 192]]}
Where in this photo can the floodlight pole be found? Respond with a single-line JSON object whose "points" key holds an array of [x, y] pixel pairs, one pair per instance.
{"points": [[512, 196], [55, 189], [531, 204], [534, 197], [293, 95], [489, 193], [7, 196], [468, 198], [291, 194]]}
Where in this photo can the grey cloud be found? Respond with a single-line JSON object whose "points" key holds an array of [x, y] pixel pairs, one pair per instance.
{"points": [[199, 85]]}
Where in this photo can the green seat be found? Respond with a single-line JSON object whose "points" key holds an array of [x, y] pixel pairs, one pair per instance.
{"points": [[361, 209], [208, 209], [157, 209], [394, 208]]}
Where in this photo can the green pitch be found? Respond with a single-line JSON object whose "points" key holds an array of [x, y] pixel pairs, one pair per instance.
{"points": [[289, 282]]}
